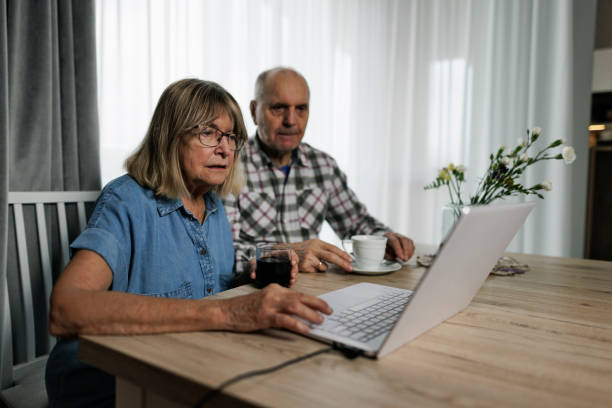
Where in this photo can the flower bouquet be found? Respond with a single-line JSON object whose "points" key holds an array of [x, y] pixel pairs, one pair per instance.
{"points": [[502, 177]]}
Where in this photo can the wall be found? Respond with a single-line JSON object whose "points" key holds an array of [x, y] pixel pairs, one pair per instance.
{"points": [[602, 62], [603, 25]]}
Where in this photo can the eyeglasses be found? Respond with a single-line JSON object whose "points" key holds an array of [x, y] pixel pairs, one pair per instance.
{"points": [[211, 137]]}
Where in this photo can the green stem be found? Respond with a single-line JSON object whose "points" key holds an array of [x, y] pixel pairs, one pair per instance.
{"points": [[450, 193], [482, 180], [457, 187]]}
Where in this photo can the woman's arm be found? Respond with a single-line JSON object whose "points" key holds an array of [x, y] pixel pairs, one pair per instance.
{"points": [[82, 304]]}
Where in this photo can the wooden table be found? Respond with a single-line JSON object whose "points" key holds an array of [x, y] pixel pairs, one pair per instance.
{"points": [[539, 339]]}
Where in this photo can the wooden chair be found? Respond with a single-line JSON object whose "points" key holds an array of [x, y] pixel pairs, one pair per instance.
{"points": [[41, 226]]}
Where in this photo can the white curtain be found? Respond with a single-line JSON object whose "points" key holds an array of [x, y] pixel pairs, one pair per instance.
{"points": [[398, 89]]}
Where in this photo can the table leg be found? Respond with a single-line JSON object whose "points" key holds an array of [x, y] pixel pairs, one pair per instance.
{"points": [[130, 395]]}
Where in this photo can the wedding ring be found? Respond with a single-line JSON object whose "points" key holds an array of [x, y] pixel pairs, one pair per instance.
{"points": [[320, 263]]}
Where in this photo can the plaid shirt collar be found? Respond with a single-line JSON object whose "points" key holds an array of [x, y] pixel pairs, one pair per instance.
{"points": [[260, 158]]}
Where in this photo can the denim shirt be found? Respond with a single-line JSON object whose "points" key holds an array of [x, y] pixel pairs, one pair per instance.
{"points": [[154, 246]]}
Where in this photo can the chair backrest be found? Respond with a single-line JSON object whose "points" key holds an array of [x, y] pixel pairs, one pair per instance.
{"points": [[41, 226]]}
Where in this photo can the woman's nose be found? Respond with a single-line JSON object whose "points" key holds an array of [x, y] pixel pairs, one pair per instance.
{"points": [[223, 146]]}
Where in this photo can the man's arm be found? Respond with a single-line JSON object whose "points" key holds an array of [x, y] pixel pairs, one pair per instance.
{"points": [[348, 216]]}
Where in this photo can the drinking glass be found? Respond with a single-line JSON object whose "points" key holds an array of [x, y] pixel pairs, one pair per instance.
{"points": [[273, 264]]}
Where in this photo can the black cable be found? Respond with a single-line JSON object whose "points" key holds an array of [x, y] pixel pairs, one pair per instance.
{"points": [[213, 393], [347, 352]]}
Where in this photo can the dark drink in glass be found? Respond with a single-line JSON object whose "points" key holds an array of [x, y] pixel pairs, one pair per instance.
{"points": [[273, 265], [273, 270]]}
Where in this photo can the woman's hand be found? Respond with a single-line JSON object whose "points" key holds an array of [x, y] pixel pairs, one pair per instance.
{"points": [[273, 306], [293, 258]]}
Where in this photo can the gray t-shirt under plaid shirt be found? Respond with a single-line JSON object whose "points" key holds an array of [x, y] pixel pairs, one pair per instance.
{"points": [[273, 207]]}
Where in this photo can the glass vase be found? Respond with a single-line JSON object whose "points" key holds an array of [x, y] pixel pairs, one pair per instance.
{"points": [[450, 215]]}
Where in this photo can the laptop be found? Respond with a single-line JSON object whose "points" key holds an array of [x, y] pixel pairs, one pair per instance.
{"points": [[375, 319]]}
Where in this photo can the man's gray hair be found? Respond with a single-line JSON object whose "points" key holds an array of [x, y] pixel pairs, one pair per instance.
{"points": [[261, 79]]}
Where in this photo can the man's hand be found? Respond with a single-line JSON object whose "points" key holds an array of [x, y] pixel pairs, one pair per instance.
{"points": [[316, 254], [398, 246], [273, 306]]}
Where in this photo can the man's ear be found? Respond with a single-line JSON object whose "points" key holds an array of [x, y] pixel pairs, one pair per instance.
{"points": [[253, 108]]}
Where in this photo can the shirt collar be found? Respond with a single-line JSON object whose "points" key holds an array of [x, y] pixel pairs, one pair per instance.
{"points": [[260, 158], [210, 199], [167, 205]]}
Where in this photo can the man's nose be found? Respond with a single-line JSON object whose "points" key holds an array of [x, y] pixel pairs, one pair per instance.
{"points": [[290, 117]]}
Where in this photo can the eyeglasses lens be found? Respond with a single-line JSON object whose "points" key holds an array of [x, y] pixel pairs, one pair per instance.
{"points": [[212, 137]]}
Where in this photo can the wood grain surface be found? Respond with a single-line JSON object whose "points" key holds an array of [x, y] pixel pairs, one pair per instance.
{"points": [[539, 339]]}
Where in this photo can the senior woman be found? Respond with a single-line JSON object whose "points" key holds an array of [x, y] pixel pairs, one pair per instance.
{"points": [[158, 243]]}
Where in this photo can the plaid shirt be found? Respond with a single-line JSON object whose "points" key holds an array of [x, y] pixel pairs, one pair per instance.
{"points": [[273, 207]]}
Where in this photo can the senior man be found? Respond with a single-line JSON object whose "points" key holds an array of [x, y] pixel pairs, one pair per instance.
{"points": [[291, 187]]}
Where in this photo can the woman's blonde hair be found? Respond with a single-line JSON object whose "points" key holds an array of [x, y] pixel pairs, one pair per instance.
{"points": [[182, 106]]}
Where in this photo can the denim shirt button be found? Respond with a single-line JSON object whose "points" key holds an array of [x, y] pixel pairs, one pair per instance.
{"points": [[209, 290], [203, 252]]}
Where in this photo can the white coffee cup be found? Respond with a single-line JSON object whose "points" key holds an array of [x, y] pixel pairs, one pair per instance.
{"points": [[368, 250]]}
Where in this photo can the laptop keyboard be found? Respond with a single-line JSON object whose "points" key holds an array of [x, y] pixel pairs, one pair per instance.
{"points": [[367, 320]]}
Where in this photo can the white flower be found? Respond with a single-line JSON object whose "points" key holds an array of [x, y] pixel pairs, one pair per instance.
{"points": [[524, 157], [522, 142], [460, 168], [536, 130], [505, 160], [562, 140], [546, 185], [569, 155]]}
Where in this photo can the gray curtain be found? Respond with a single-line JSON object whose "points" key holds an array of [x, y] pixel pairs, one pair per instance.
{"points": [[48, 113], [5, 358]]}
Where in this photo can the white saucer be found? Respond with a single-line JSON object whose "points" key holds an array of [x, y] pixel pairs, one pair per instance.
{"points": [[384, 267]]}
